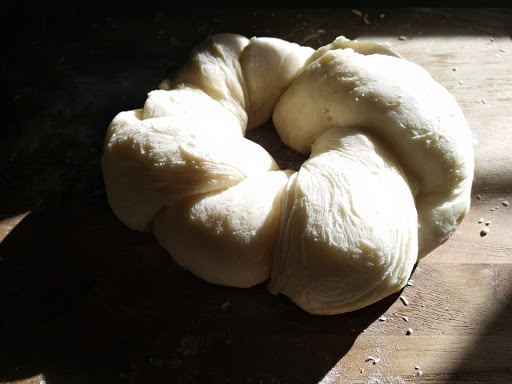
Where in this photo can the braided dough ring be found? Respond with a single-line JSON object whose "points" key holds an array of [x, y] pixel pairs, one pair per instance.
{"points": [[388, 177]]}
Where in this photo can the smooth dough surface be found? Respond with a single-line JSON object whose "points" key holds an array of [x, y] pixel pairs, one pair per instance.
{"points": [[232, 249], [269, 66], [214, 67]]}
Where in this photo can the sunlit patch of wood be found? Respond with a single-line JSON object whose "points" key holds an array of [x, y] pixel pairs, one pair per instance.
{"points": [[8, 224]]}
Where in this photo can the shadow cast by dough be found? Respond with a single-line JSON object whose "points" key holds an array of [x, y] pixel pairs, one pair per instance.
{"points": [[84, 299]]}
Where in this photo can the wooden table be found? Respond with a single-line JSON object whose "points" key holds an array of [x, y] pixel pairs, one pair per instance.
{"points": [[85, 300]]}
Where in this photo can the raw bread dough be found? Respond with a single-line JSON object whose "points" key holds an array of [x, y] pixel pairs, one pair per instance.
{"points": [[402, 104], [151, 158], [232, 249], [348, 235], [387, 181]]}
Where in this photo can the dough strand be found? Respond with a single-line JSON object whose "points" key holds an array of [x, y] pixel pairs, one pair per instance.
{"points": [[388, 178]]}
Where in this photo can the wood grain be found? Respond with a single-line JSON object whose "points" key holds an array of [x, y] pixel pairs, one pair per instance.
{"points": [[85, 300]]}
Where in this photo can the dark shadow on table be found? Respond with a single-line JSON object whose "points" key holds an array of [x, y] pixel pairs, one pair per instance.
{"points": [[86, 300]]}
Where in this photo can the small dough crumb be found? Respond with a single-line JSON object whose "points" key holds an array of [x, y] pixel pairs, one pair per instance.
{"points": [[165, 85]]}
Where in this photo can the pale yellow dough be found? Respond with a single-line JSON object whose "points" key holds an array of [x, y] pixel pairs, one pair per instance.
{"points": [[232, 249], [399, 102], [387, 181], [349, 227]]}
